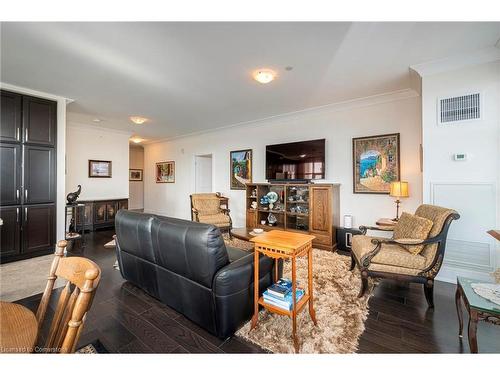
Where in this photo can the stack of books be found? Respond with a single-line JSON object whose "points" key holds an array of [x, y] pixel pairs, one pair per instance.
{"points": [[280, 294]]}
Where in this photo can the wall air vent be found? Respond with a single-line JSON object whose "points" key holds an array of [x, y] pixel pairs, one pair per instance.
{"points": [[459, 108]]}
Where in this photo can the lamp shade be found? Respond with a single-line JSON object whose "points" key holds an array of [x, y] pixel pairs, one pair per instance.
{"points": [[399, 189]]}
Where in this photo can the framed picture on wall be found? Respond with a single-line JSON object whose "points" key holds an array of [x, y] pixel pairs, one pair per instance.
{"points": [[376, 163], [165, 172], [135, 174], [99, 168], [240, 168]]}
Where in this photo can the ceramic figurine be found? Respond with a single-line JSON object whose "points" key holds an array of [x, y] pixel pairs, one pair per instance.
{"points": [[73, 197]]}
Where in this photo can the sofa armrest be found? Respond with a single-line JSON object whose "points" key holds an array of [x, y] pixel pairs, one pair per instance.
{"points": [[239, 275]]}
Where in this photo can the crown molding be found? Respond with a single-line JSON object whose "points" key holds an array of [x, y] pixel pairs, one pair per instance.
{"points": [[31, 92], [84, 126], [328, 108], [482, 56]]}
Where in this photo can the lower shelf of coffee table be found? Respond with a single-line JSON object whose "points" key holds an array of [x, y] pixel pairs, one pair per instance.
{"points": [[274, 309]]}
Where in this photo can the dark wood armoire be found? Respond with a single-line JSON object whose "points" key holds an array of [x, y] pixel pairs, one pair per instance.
{"points": [[28, 177]]}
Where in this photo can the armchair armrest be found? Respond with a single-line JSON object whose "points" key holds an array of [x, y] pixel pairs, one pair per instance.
{"points": [[195, 212], [407, 241], [367, 258], [364, 229]]}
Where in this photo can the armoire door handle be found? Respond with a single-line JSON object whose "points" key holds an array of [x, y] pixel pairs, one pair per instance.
{"points": [[25, 214], [17, 215], [26, 135], [17, 134], [17, 194], [26, 194]]}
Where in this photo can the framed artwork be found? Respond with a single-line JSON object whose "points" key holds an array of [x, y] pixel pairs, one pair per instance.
{"points": [[135, 174], [99, 168], [241, 169], [376, 163], [165, 172]]}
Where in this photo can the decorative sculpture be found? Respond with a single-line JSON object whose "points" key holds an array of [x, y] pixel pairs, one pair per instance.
{"points": [[73, 197]]}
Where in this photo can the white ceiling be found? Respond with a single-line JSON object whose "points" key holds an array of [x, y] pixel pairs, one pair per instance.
{"points": [[190, 77]]}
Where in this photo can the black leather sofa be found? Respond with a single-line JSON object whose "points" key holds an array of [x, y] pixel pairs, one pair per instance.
{"points": [[187, 266]]}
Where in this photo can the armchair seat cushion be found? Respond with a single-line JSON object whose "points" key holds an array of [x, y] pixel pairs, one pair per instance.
{"points": [[394, 269], [389, 254], [219, 219]]}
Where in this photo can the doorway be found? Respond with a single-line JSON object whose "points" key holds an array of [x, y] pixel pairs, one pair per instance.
{"points": [[203, 173]]}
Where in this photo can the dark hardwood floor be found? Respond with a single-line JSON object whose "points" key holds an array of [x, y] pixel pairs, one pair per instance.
{"points": [[126, 320]]}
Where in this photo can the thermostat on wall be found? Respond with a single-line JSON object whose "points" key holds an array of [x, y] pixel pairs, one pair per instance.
{"points": [[460, 157]]}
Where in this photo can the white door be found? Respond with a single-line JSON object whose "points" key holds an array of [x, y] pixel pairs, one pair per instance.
{"points": [[203, 173]]}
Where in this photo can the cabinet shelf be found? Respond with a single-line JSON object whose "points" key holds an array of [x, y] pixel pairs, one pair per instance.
{"points": [[321, 201]]}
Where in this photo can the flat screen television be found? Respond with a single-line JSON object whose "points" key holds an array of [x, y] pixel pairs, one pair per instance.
{"points": [[296, 161]]}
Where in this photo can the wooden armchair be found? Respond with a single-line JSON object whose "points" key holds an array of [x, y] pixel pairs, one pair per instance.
{"points": [[206, 208], [74, 302], [385, 258]]}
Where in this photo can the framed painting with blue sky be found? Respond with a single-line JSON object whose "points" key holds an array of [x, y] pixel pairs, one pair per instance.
{"points": [[376, 163], [241, 169]]}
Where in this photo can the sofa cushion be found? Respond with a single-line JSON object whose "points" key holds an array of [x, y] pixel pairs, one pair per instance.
{"points": [[235, 253], [389, 254], [412, 227]]}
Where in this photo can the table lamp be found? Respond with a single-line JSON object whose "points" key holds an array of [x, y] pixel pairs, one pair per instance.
{"points": [[399, 189]]}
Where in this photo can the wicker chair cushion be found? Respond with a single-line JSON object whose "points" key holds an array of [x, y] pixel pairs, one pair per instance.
{"points": [[412, 227], [438, 216], [219, 220], [389, 254]]}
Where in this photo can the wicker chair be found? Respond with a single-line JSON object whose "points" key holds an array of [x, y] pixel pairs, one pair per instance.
{"points": [[384, 258], [206, 208]]}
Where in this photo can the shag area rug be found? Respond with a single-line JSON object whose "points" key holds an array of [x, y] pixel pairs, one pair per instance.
{"points": [[339, 311]]}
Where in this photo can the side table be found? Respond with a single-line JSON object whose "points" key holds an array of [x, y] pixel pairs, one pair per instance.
{"points": [[479, 308], [279, 244]]}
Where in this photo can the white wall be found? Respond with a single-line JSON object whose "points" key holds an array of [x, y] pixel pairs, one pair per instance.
{"points": [[61, 148], [471, 186], [338, 123], [87, 142], [136, 188]]}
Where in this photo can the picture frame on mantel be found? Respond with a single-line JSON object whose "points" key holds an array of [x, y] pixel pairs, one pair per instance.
{"points": [[100, 169], [165, 172], [376, 163]]}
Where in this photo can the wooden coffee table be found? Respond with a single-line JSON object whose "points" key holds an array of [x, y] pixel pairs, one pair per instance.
{"points": [[243, 233], [279, 244]]}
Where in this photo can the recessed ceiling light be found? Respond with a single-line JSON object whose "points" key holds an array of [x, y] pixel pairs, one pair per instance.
{"points": [[136, 139], [97, 120], [138, 120], [288, 68], [264, 75]]}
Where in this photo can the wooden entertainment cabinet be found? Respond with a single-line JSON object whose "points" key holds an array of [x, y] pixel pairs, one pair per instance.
{"points": [[302, 208]]}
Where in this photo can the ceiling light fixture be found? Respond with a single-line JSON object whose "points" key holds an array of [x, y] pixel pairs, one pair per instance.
{"points": [[137, 140], [264, 75], [138, 120], [97, 120]]}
